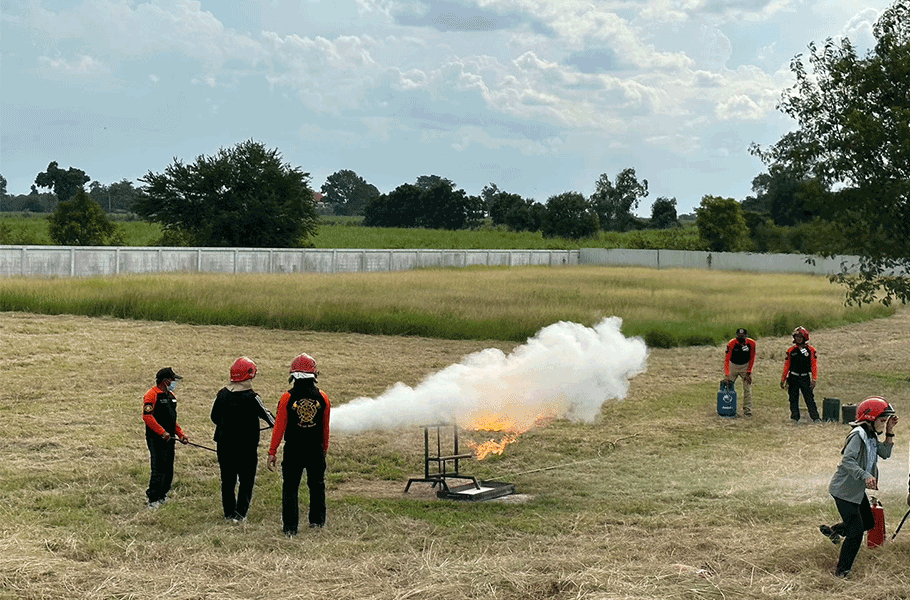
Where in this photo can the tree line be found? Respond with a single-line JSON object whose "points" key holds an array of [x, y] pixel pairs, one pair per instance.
{"points": [[248, 196]]}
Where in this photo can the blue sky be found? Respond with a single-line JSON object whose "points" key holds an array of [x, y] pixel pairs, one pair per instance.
{"points": [[539, 97]]}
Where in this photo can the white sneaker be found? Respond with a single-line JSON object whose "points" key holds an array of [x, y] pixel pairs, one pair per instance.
{"points": [[154, 505]]}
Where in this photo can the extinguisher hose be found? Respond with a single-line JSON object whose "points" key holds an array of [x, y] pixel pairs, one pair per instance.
{"points": [[901, 525]]}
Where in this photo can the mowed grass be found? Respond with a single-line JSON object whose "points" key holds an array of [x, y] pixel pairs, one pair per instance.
{"points": [[667, 307], [658, 498]]}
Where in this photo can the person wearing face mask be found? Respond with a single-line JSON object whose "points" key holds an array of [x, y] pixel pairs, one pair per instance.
{"points": [[856, 473], [159, 411], [738, 362]]}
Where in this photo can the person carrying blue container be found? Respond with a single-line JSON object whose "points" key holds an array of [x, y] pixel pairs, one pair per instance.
{"points": [[738, 362]]}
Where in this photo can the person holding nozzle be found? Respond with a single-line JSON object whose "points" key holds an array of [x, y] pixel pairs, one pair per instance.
{"points": [[856, 473], [302, 420], [236, 413], [801, 375], [738, 362], [159, 412]]}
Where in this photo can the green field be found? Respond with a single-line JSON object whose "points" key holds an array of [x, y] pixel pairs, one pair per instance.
{"points": [[346, 232], [670, 307]]}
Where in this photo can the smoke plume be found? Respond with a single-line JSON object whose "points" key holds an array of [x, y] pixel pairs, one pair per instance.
{"points": [[566, 370]]}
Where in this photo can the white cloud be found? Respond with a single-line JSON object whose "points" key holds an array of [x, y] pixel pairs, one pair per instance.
{"points": [[80, 65], [572, 86], [739, 107]]}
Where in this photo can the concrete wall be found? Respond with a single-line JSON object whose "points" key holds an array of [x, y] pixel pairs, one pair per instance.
{"points": [[725, 261], [84, 261]]}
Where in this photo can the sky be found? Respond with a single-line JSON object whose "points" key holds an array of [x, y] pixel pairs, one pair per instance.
{"points": [[538, 97]]}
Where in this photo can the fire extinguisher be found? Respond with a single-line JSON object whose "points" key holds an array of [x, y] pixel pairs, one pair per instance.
{"points": [[876, 535]]}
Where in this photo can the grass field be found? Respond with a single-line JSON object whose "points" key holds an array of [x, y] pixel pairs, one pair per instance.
{"points": [[669, 307], [658, 497], [345, 232]]}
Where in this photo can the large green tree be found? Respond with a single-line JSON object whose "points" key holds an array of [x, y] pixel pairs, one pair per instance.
{"points": [[853, 117], [64, 184], [569, 215], [348, 192], [613, 201], [721, 224], [432, 202], [787, 197], [243, 196], [663, 213], [80, 221]]}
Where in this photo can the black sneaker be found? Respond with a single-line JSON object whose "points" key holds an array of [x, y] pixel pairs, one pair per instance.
{"points": [[829, 533], [290, 533]]}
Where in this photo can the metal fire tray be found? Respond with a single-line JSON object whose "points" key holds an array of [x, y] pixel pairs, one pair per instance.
{"points": [[488, 490]]}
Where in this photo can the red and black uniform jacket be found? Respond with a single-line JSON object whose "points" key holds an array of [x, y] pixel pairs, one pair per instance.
{"points": [[303, 423], [800, 360], [236, 417], [739, 353], [159, 411]]}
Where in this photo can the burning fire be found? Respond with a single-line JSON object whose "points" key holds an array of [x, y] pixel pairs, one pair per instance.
{"points": [[510, 427]]}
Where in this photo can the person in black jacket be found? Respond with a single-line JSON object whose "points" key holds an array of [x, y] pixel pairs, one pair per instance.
{"points": [[236, 413], [303, 424]]}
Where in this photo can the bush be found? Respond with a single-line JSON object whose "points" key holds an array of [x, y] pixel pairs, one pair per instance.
{"points": [[82, 222]]}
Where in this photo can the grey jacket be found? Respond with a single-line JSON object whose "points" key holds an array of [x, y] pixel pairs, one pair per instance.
{"points": [[849, 481]]}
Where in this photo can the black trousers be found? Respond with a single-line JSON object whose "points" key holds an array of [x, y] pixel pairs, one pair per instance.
{"points": [[795, 385], [857, 519], [238, 465], [292, 467], [161, 455]]}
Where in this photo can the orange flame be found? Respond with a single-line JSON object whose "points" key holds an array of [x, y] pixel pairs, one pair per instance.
{"points": [[481, 451], [511, 427]]}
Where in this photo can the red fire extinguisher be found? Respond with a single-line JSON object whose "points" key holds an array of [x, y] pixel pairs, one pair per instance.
{"points": [[876, 535]]}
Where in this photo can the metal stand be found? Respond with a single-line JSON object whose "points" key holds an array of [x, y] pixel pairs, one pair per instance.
{"points": [[440, 461]]}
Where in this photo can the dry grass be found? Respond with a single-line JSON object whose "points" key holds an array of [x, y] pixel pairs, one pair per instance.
{"points": [[670, 307], [659, 499]]}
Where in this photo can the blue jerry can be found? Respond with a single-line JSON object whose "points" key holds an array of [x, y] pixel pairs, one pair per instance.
{"points": [[726, 399]]}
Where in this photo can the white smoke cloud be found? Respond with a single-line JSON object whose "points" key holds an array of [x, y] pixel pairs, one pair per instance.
{"points": [[566, 370]]}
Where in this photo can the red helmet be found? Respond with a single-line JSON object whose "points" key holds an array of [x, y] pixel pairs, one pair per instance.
{"points": [[243, 369], [304, 367], [872, 408], [803, 332]]}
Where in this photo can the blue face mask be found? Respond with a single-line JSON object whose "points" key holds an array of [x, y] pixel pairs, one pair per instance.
{"points": [[172, 386]]}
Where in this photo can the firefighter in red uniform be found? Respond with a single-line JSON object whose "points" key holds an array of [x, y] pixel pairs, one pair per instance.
{"points": [[236, 413], [302, 419], [159, 411], [738, 362], [801, 374]]}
